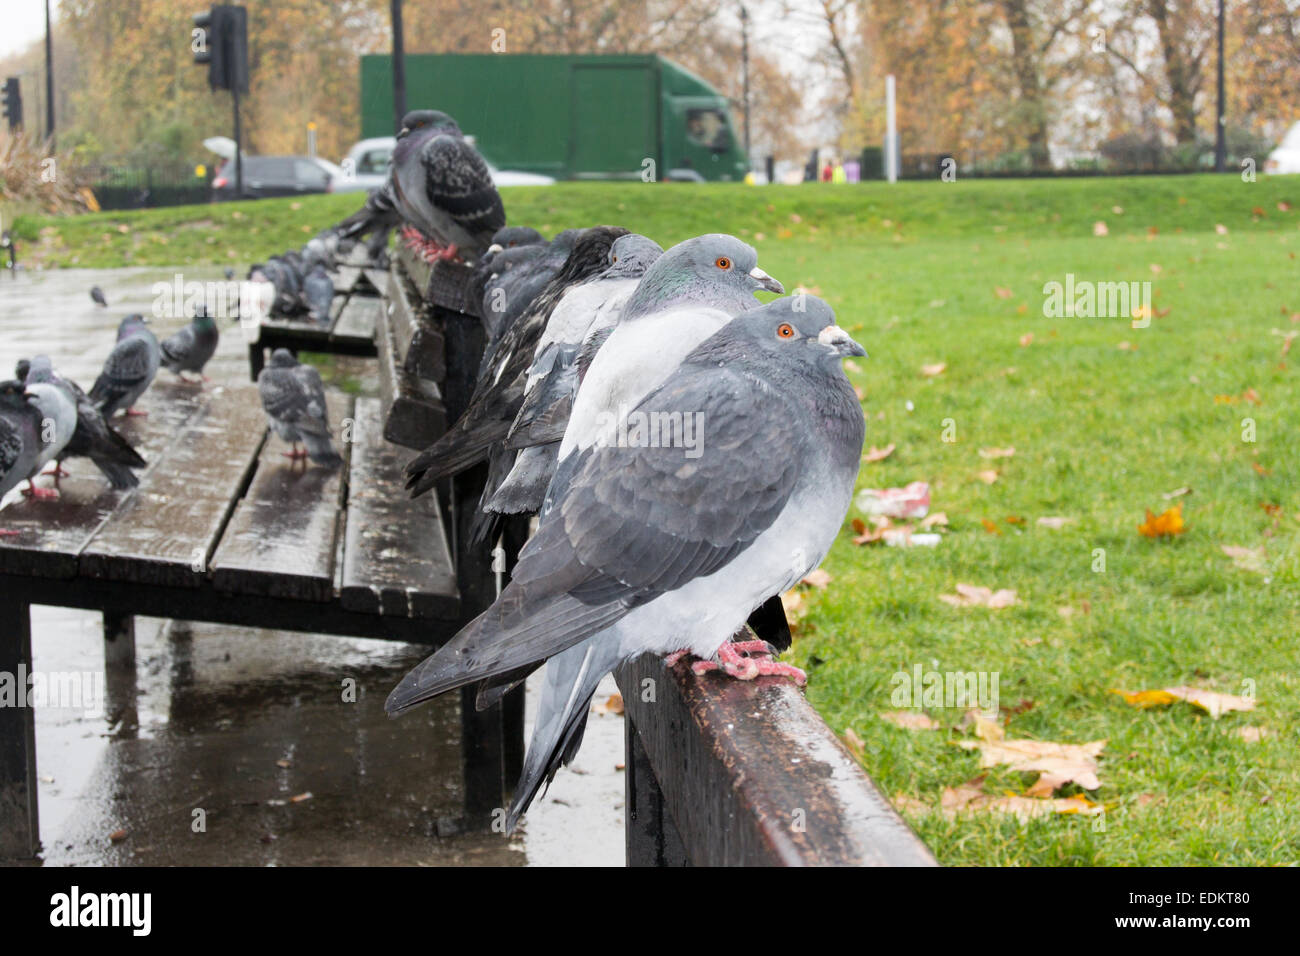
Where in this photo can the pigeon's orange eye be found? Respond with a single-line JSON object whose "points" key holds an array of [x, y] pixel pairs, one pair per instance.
{"points": [[785, 331], [723, 262]]}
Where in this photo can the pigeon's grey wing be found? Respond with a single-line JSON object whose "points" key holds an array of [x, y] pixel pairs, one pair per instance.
{"points": [[545, 412], [315, 409], [282, 396], [11, 447], [590, 346], [128, 366], [629, 524], [460, 184], [176, 349]]}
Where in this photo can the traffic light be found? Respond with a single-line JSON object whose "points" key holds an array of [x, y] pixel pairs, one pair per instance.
{"points": [[219, 40], [13, 103]]}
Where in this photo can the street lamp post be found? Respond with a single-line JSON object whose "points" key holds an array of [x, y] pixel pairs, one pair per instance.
{"points": [[1220, 129], [744, 65]]}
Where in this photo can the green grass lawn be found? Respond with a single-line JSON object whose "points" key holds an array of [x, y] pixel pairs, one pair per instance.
{"points": [[924, 273]]}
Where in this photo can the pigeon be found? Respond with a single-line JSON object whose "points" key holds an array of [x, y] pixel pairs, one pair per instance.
{"points": [[517, 278], [20, 440], [509, 237], [667, 547], [229, 274], [190, 349], [58, 411], [500, 390], [318, 294], [93, 438], [97, 296], [129, 369], [440, 186], [377, 218], [553, 377], [293, 398], [693, 289]]}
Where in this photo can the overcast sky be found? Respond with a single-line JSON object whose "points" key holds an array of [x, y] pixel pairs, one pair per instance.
{"points": [[24, 21]]}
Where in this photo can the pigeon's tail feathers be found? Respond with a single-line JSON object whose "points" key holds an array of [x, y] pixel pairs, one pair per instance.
{"points": [[320, 449], [453, 453], [524, 489], [504, 639], [571, 681], [118, 475]]}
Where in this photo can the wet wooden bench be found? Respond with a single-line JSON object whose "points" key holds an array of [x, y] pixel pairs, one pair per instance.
{"points": [[722, 772], [224, 529], [358, 292]]}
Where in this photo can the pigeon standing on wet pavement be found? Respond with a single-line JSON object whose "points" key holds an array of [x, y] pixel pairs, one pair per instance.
{"points": [[667, 547], [20, 436], [129, 369], [97, 295], [93, 438], [190, 349], [293, 398]]}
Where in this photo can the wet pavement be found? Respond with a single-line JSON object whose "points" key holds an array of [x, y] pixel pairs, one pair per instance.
{"points": [[238, 746]]}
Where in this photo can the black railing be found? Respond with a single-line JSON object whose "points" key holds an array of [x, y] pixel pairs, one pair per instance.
{"points": [[131, 187]]}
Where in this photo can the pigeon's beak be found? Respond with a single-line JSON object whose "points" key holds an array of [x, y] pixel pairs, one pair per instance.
{"points": [[493, 249], [403, 132], [765, 281], [840, 341]]}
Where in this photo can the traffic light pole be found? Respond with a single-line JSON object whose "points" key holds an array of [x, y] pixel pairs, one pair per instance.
{"points": [[239, 146]]}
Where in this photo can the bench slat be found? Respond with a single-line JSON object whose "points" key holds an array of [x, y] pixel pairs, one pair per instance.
{"points": [[358, 318], [280, 541], [55, 532], [395, 555], [165, 532], [416, 414]]}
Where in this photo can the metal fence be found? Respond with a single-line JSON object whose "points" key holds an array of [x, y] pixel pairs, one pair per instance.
{"points": [[129, 187]]}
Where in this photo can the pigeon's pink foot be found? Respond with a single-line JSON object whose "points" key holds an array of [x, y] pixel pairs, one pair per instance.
{"points": [[135, 413], [449, 253], [746, 660], [58, 472], [672, 659], [295, 454], [31, 491]]}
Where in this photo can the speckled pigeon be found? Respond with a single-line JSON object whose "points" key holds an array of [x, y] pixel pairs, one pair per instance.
{"points": [[93, 438], [442, 188], [190, 349], [293, 398], [129, 369], [667, 546], [518, 276], [318, 294]]}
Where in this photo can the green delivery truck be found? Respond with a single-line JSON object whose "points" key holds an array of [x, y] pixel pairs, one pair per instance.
{"points": [[570, 117]]}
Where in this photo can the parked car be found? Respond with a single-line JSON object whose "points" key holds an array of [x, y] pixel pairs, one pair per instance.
{"points": [[1286, 158], [366, 166], [277, 176]]}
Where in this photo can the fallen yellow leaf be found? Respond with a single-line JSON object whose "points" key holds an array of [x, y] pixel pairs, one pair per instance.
{"points": [[1164, 525], [910, 719]]}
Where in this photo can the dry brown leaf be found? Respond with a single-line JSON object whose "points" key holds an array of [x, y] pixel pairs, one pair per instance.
{"points": [[301, 798], [990, 526], [1002, 292], [1099, 229], [613, 704], [960, 796], [986, 728], [817, 578], [988, 476], [1247, 559], [997, 452], [930, 371], [1054, 522], [792, 604], [1252, 735], [910, 719], [939, 518], [1212, 702], [1065, 763], [1176, 493], [879, 454], [1026, 340], [853, 741], [970, 595], [1027, 808], [904, 803]]}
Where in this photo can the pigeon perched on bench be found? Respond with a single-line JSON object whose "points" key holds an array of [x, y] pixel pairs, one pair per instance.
{"points": [[438, 185], [190, 349], [20, 437], [58, 411], [517, 277], [293, 398], [667, 547], [318, 294], [93, 438], [129, 368]]}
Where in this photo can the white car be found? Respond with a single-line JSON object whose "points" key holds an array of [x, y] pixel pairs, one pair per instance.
{"points": [[1286, 158], [366, 167]]}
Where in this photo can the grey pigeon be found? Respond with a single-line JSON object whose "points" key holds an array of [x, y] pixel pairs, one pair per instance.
{"points": [[93, 438], [20, 440], [293, 398], [517, 277], [229, 273], [492, 408], [552, 379], [668, 546], [129, 369], [58, 412], [97, 295], [377, 218], [439, 185], [318, 294], [190, 349]]}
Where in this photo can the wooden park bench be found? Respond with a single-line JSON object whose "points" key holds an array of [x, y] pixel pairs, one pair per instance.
{"points": [[358, 291], [224, 529]]}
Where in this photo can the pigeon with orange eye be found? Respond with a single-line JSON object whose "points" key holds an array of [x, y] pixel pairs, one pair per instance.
{"points": [[803, 318]]}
